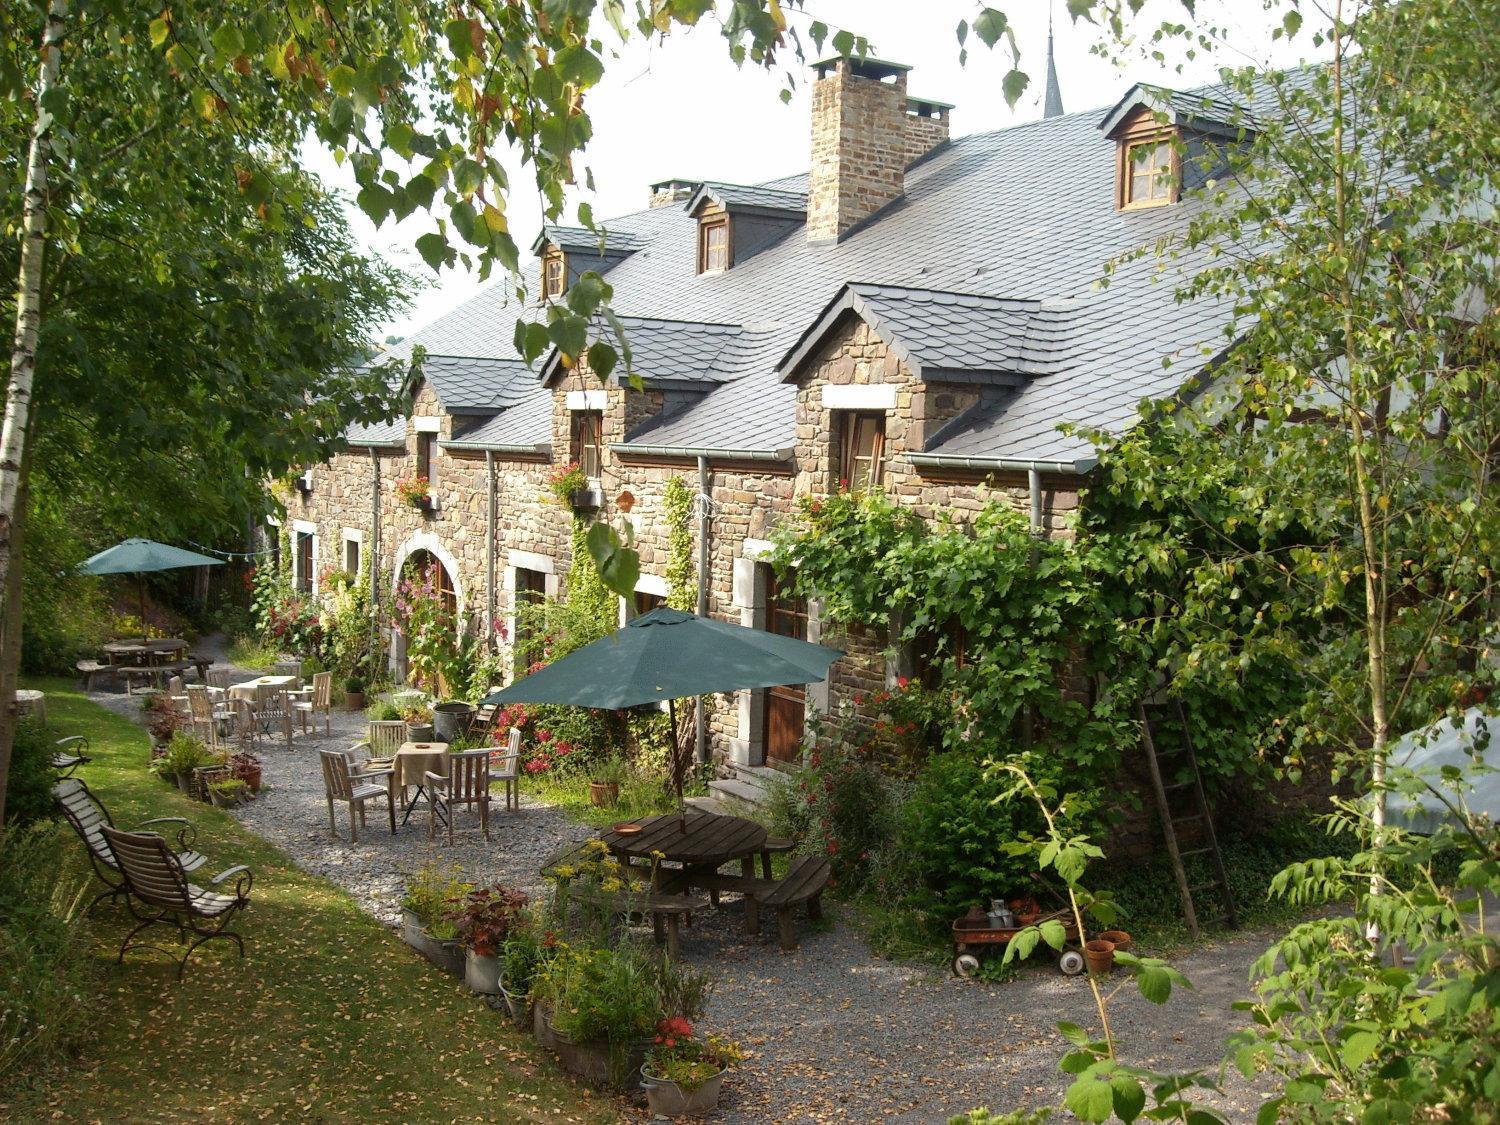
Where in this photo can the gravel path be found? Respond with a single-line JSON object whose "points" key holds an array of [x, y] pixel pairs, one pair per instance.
{"points": [[834, 1032]]}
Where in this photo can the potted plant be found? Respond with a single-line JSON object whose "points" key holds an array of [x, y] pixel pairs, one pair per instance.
{"points": [[565, 482], [184, 754], [418, 720], [483, 921], [415, 492], [529, 944], [163, 719], [354, 694], [247, 768], [683, 1074], [382, 711], [601, 1006], [605, 777], [430, 895], [227, 792]]}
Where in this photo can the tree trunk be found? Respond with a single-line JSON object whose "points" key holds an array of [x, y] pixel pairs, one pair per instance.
{"points": [[22, 371]]}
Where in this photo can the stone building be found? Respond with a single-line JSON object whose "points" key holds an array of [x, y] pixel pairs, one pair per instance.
{"points": [[918, 311]]}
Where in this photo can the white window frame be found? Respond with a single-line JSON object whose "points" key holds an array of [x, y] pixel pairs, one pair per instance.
{"points": [[356, 536], [305, 527]]}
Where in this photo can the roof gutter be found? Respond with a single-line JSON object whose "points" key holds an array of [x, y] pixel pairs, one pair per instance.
{"points": [[629, 448], [1008, 464], [537, 449]]}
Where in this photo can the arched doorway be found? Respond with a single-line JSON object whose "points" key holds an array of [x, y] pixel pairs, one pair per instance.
{"points": [[423, 564], [426, 546]]}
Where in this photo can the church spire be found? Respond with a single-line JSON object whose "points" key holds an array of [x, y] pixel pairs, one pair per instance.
{"points": [[1052, 102]]}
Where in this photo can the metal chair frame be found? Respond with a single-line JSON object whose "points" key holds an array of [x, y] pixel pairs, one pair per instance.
{"points": [[87, 816]]}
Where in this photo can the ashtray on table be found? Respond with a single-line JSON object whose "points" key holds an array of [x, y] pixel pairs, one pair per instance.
{"points": [[626, 829]]}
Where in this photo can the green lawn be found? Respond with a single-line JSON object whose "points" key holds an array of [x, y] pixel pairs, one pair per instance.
{"points": [[329, 1017]]}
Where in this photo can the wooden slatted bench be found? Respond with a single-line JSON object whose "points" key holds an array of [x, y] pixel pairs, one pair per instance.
{"points": [[804, 882], [138, 675], [92, 669], [666, 910]]}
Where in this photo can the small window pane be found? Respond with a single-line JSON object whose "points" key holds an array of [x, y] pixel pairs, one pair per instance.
{"points": [[351, 557], [555, 276], [588, 442], [862, 461], [715, 246]]}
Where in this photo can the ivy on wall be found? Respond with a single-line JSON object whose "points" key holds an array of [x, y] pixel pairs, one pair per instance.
{"points": [[588, 596], [682, 574]]}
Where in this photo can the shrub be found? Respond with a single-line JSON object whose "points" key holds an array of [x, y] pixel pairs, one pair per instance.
{"points": [[955, 825], [529, 944], [47, 977], [432, 893], [28, 794], [852, 809]]}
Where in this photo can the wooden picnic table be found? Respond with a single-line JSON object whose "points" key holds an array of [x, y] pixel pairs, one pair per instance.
{"points": [[710, 839], [150, 652]]}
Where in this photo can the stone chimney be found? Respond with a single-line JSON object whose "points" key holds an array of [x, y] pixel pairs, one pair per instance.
{"points": [[667, 192], [865, 131]]}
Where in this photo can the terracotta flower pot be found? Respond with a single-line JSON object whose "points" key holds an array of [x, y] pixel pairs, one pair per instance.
{"points": [[1121, 939], [1100, 956], [604, 793], [354, 701]]}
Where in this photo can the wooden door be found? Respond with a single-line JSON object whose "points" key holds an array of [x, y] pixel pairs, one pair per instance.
{"points": [[785, 707]]}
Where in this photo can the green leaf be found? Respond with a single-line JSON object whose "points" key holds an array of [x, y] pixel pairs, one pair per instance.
{"points": [[1073, 1033], [989, 25], [580, 66], [602, 359], [1053, 933], [1155, 983], [228, 41], [1358, 1047], [1269, 1112], [1129, 1097], [1090, 1098], [159, 29], [619, 567], [1013, 85], [435, 250]]}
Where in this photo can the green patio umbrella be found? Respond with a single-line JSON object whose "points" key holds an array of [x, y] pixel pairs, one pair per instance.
{"points": [[137, 556], [668, 654]]}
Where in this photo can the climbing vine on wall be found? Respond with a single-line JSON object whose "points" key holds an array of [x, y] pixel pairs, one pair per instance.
{"points": [[587, 593], [677, 499]]}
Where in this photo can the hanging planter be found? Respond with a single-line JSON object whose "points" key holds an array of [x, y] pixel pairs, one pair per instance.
{"points": [[586, 499], [415, 492]]}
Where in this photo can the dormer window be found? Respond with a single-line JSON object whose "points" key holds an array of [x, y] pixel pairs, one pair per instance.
{"points": [[554, 274], [713, 244], [1148, 171]]}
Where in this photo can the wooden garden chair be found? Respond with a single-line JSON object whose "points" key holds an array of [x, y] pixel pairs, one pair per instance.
{"points": [[157, 892], [273, 710], [88, 817], [342, 782], [467, 783], [219, 682], [508, 768], [209, 718], [382, 739], [291, 668], [309, 702]]}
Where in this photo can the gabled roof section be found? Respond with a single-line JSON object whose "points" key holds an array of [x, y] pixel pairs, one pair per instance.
{"points": [[581, 240], [523, 429], [1191, 110], [752, 198], [668, 351], [377, 435], [957, 337], [473, 384]]}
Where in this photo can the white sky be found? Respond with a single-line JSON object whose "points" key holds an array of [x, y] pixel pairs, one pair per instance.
{"points": [[679, 108]]}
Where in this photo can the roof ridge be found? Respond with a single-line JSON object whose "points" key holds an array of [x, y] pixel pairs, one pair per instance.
{"points": [[942, 292]]}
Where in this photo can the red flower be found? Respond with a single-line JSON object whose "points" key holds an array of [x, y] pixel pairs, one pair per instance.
{"points": [[902, 681], [833, 847]]}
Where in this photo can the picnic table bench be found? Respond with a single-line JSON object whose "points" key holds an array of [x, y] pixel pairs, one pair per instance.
{"points": [[666, 910], [804, 882], [92, 669]]}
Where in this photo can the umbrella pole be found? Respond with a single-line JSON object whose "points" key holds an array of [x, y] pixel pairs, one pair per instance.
{"points": [[145, 632], [677, 766]]}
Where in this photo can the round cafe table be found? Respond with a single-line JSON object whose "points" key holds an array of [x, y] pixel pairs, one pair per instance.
{"points": [[709, 840], [411, 765]]}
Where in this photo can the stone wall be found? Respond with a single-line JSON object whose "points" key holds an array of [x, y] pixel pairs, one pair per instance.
{"points": [[922, 134]]}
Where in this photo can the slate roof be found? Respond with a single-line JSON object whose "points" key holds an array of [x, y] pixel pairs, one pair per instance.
{"points": [[475, 385], [585, 240], [674, 351], [994, 223], [940, 336], [749, 197]]}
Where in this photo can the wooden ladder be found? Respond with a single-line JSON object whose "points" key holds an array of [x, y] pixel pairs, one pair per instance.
{"points": [[1198, 814]]}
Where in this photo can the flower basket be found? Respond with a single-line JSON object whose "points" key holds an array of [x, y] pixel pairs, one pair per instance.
{"points": [[604, 794], [667, 1099]]}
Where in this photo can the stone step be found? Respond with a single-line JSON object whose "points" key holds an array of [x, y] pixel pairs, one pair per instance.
{"points": [[763, 776], [708, 805], [734, 789]]}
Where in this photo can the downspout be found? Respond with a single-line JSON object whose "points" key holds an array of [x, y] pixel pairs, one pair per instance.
{"points": [[1034, 483], [700, 715], [489, 552], [375, 638]]}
